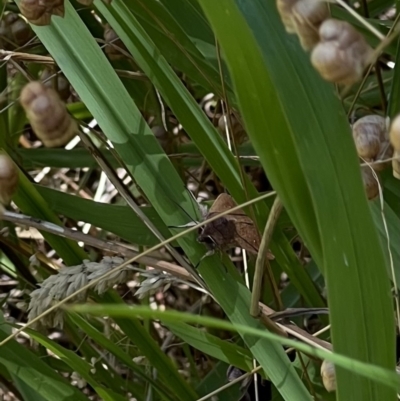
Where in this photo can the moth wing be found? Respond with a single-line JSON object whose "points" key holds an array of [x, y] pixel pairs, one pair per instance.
{"points": [[223, 203], [247, 235]]}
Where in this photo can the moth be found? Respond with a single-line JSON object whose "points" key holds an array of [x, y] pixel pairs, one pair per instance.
{"points": [[233, 230]]}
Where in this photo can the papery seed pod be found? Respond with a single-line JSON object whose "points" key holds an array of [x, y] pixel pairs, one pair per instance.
{"points": [[308, 15], [368, 133], [394, 135], [57, 7], [39, 12], [237, 129], [371, 184], [8, 178], [222, 123], [35, 11], [3, 28], [10, 18], [4, 35], [20, 32], [47, 114], [14, 31], [113, 43], [342, 53], [63, 87], [285, 9], [385, 153], [328, 375], [396, 164]]}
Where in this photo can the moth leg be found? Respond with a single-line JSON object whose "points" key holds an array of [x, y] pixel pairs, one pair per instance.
{"points": [[208, 253]]}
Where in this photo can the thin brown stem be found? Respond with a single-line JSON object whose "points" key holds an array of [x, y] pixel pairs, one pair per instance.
{"points": [[261, 258], [381, 86], [115, 247]]}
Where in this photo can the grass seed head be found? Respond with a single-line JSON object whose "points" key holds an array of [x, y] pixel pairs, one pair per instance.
{"points": [[70, 279]]}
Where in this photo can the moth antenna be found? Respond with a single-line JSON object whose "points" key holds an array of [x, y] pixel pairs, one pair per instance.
{"points": [[203, 209], [188, 225], [193, 221]]}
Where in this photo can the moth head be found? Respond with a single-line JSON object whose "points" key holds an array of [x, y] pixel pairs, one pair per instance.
{"points": [[206, 239]]}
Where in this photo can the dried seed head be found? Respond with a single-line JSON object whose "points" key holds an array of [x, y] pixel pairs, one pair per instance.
{"points": [[328, 375], [8, 179], [342, 53], [39, 12], [63, 87], [152, 283], [285, 9], [308, 15], [371, 184], [47, 114], [113, 43], [70, 279]]}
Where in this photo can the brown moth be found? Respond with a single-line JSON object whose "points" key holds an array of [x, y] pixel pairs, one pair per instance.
{"points": [[235, 229]]}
